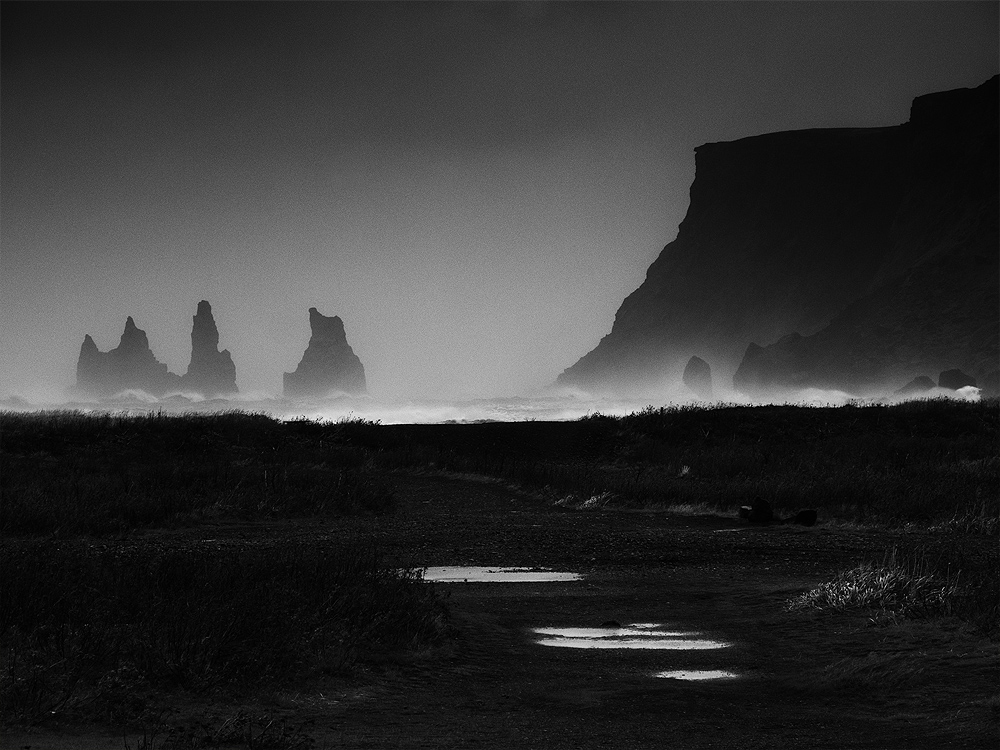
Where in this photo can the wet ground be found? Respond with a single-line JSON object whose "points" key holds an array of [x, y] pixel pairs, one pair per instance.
{"points": [[674, 636]]}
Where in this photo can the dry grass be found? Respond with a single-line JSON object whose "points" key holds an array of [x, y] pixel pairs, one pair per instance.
{"points": [[98, 633], [909, 586]]}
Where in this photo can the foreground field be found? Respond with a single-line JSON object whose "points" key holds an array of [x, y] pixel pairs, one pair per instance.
{"points": [[901, 672]]}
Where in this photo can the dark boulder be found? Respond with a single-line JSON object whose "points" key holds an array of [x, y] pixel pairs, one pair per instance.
{"points": [[211, 372], [803, 518], [698, 377], [955, 379], [759, 511], [328, 365]]}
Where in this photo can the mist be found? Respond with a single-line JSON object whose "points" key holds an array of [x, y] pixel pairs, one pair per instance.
{"points": [[472, 188]]}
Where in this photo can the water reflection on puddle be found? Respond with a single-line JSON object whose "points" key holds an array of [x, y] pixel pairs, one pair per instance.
{"points": [[636, 635], [481, 574], [698, 674]]}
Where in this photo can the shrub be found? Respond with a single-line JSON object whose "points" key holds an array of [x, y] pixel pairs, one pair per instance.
{"points": [[907, 586]]}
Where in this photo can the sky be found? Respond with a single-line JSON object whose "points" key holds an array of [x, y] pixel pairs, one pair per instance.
{"points": [[472, 187]]}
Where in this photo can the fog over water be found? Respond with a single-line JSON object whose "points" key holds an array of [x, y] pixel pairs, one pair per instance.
{"points": [[555, 405], [473, 188]]}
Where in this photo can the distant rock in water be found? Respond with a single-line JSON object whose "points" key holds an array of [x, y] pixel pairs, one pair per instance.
{"points": [[328, 364], [698, 377], [920, 384], [211, 372], [955, 379], [131, 365]]}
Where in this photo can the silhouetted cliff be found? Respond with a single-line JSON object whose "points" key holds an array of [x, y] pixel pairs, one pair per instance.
{"points": [[329, 364], [935, 304], [884, 239]]}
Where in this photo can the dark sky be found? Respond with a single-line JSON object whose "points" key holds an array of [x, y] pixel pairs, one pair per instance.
{"points": [[473, 187]]}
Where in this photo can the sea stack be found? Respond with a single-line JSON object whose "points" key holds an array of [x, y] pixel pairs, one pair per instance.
{"points": [[328, 365], [211, 372], [698, 377], [129, 366]]}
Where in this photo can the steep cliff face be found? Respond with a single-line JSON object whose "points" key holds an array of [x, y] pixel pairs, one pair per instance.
{"points": [[328, 365], [935, 304], [786, 231], [130, 365], [211, 372]]}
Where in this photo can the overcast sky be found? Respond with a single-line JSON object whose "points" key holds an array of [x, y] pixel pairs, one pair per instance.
{"points": [[473, 188]]}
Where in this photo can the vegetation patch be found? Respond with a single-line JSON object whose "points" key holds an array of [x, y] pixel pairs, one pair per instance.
{"points": [[67, 473], [98, 633], [914, 585], [933, 464], [904, 589]]}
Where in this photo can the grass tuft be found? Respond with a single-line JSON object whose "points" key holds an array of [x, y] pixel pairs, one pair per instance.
{"points": [[897, 588]]}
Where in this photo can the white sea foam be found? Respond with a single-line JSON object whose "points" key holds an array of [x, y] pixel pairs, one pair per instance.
{"points": [[561, 405]]}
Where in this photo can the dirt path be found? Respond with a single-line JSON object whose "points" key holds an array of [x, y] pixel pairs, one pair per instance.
{"points": [[803, 681]]}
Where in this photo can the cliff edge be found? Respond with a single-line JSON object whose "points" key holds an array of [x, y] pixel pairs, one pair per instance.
{"points": [[799, 231]]}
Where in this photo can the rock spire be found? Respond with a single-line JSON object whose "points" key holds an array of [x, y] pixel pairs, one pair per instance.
{"points": [[211, 372], [129, 366], [329, 364], [132, 365]]}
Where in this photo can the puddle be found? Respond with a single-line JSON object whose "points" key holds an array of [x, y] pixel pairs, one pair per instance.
{"points": [[677, 644], [698, 674], [628, 630], [634, 636], [481, 574]]}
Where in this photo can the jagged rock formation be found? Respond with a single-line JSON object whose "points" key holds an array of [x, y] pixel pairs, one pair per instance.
{"points": [[211, 372], [698, 377], [876, 246], [328, 364], [131, 365]]}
